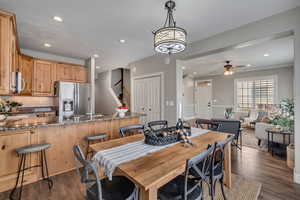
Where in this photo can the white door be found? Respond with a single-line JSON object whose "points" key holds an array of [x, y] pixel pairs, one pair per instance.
{"points": [[203, 99], [147, 98]]}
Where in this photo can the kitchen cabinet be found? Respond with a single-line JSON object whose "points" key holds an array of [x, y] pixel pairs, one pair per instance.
{"points": [[72, 73], [26, 68], [9, 158], [60, 155], [80, 74], [8, 51], [64, 72], [43, 78]]}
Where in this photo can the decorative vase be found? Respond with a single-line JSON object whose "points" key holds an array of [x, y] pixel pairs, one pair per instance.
{"points": [[290, 156]]}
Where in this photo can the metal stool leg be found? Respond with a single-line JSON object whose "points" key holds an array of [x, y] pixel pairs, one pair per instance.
{"points": [[50, 182], [18, 177]]}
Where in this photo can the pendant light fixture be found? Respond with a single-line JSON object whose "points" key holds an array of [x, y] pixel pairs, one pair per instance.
{"points": [[170, 39]]}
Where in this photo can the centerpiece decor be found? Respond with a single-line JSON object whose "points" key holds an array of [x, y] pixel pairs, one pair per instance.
{"points": [[165, 136], [170, 39]]}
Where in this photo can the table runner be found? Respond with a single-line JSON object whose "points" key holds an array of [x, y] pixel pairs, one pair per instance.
{"points": [[109, 159]]}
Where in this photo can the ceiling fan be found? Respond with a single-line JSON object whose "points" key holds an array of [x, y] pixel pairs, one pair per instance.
{"points": [[229, 68]]}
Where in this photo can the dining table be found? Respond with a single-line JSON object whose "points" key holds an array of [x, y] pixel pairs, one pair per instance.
{"points": [[152, 171]]}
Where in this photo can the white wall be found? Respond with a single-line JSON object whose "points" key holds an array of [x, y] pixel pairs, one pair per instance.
{"points": [[48, 56], [188, 98], [223, 87]]}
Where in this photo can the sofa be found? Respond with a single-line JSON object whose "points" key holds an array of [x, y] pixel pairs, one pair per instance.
{"points": [[262, 136]]}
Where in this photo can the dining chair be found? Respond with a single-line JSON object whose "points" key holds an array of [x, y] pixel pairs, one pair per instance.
{"points": [[232, 127], [186, 187], [128, 130], [217, 166], [156, 125], [206, 124], [96, 189]]}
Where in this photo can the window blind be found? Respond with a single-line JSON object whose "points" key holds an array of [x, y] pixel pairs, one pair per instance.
{"points": [[252, 93]]}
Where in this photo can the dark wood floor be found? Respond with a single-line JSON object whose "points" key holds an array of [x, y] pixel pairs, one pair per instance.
{"points": [[275, 177]]}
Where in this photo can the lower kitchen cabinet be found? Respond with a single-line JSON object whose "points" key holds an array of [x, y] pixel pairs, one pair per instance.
{"points": [[9, 142], [60, 156]]}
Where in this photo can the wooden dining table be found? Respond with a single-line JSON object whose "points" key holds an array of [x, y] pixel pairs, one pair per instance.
{"points": [[154, 170]]}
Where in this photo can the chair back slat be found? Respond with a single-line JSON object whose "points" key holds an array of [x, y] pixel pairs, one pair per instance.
{"points": [[156, 125], [89, 173], [193, 164], [126, 129], [218, 155]]}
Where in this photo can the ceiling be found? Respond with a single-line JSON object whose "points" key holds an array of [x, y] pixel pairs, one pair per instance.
{"points": [[96, 26], [281, 54]]}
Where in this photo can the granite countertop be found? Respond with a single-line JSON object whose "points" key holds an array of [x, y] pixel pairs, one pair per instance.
{"points": [[82, 119]]}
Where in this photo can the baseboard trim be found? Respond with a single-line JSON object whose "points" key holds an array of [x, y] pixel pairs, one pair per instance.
{"points": [[296, 177]]}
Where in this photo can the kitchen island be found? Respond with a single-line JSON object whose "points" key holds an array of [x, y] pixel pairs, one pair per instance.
{"points": [[62, 135]]}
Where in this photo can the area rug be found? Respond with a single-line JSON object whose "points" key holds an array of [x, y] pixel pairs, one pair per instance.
{"points": [[242, 189]]}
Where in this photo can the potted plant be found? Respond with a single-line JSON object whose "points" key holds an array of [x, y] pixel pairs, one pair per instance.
{"points": [[6, 107], [285, 119]]}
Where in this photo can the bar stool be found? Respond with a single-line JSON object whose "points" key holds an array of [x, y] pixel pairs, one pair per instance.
{"points": [[91, 138], [23, 152]]}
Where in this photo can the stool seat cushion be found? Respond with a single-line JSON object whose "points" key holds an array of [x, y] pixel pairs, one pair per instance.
{"points": [[33, 148], [96, 137]]}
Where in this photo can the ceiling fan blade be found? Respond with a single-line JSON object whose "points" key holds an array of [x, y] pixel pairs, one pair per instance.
{"points": [[238, 67]]}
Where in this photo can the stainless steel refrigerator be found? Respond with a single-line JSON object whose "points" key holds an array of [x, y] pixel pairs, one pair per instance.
{"points": [[73, 99]]}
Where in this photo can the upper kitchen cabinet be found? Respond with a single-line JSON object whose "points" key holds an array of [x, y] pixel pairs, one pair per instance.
{"points": [[43, 78], [72, 73], [26, 68], [8, 51], [80, 74], [64, 72]]}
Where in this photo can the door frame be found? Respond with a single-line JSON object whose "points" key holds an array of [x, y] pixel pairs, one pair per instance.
{"points": [[211, 93], [162, 91]]}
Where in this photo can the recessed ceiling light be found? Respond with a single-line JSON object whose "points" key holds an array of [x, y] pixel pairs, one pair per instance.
{"points": [[266, 54], [58, 19], [98, 67], [96, 56], [47, 45], [183, 67], [194, 72], [249, 65], [122, 41]]}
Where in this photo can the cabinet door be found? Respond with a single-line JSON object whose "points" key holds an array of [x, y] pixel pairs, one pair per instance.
{"points": [[10, 160], [26, 68], [64, 72], [43, 84], [5, 61], [80, 74]]}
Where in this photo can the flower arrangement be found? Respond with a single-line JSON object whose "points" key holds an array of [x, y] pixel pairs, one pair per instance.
{"points": [[286, 115], [6, 106]]}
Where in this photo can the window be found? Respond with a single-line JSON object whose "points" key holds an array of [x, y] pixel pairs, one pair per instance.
{"points": [[254, 93]]}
